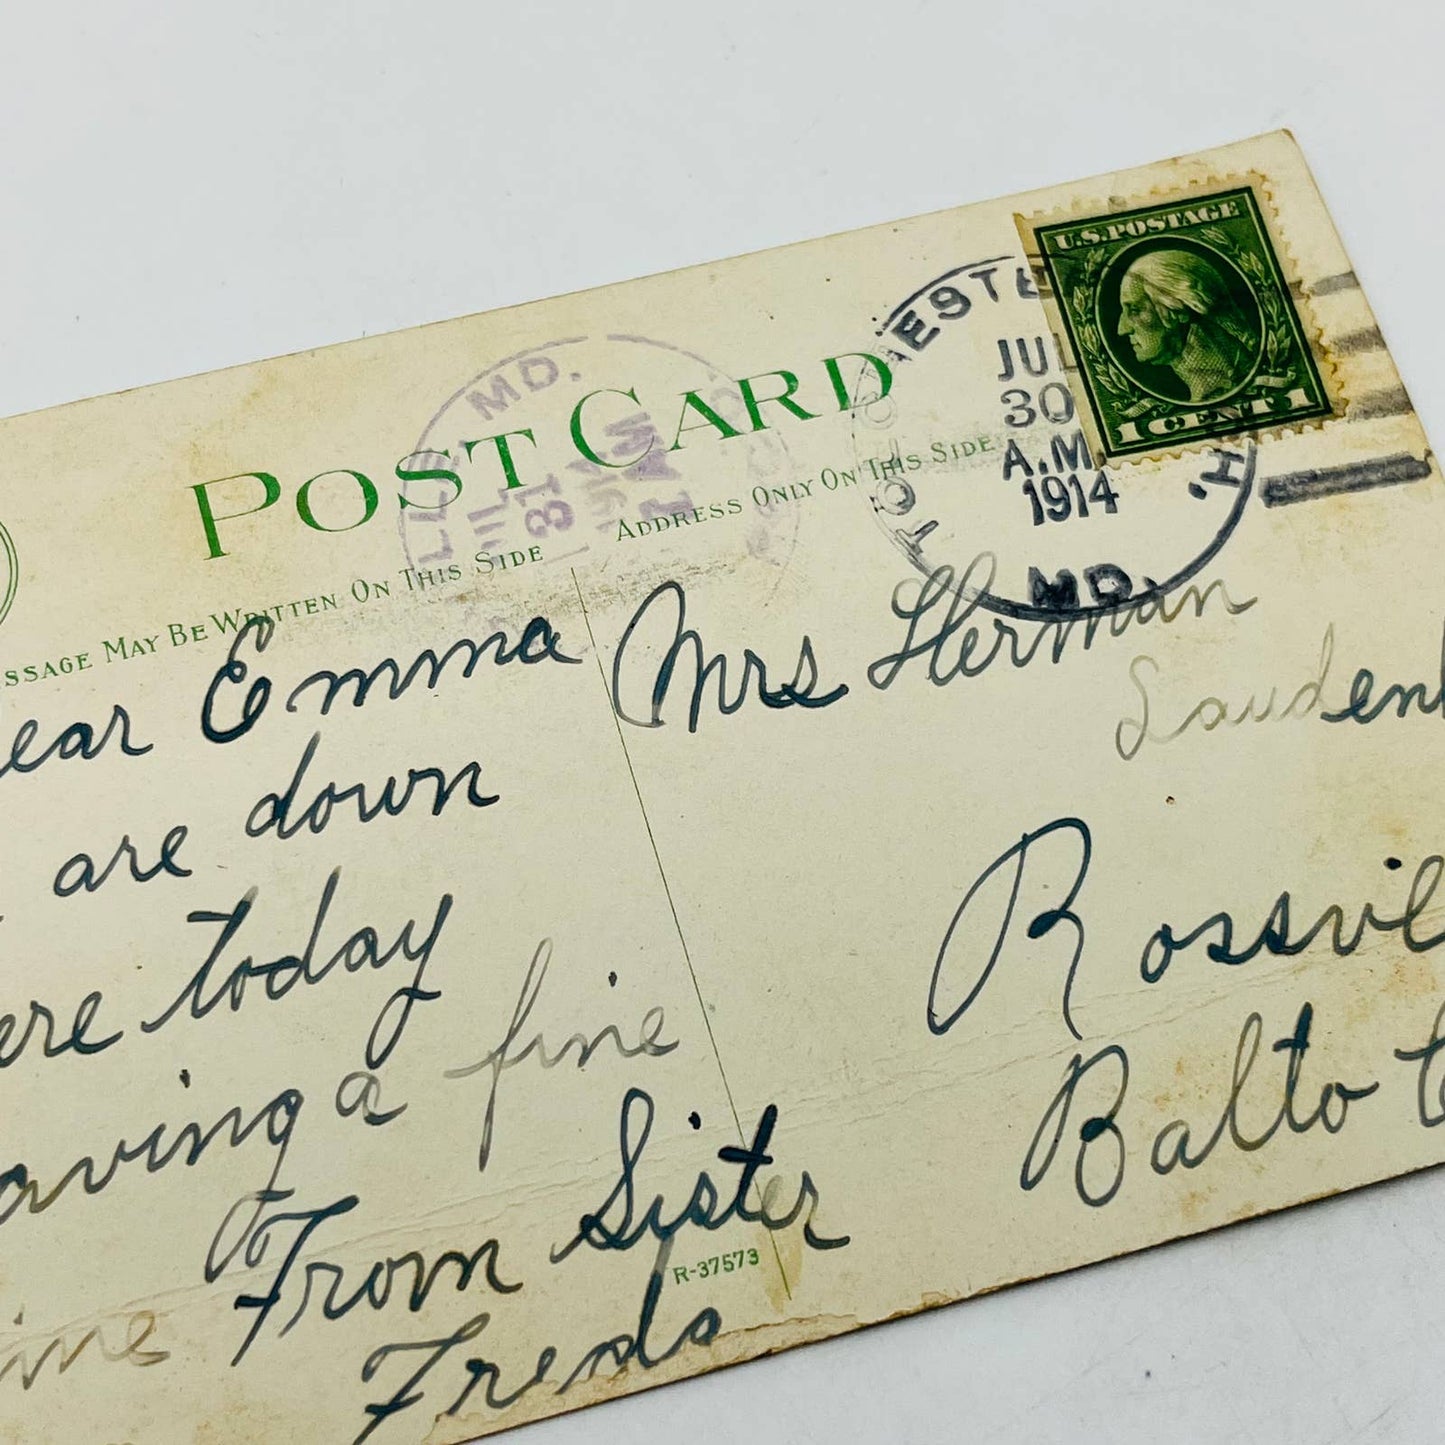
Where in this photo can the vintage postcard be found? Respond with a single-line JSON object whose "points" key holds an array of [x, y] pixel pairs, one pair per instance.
{"points": [[567, 848]]}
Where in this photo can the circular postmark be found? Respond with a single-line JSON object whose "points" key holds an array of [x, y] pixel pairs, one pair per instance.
{"points": [[978, 466], [605, 508]]}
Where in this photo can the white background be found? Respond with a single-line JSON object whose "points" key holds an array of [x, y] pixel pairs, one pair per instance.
{"points": [[187, 187]]}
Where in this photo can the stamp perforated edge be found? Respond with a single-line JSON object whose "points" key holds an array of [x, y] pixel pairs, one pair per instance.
{"points": [[1088, 205]]}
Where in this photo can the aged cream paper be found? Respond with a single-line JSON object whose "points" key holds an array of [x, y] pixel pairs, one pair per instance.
{"points": [[566, 848]]}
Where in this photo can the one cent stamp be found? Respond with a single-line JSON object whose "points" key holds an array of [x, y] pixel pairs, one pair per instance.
{"points": [[1181, 322]]}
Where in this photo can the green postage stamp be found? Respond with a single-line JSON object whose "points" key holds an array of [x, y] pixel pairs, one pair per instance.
{"points": [[1181, 322]]}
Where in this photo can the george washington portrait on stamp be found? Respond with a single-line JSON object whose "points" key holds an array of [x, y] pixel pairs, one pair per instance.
{"points": [[1182, 321]]}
